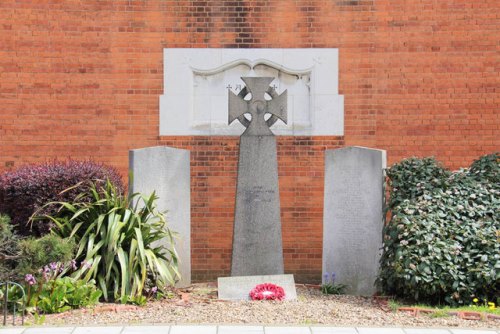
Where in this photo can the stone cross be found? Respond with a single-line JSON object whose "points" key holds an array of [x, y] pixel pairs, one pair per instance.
{"points": [[257, 106], [257, 244]]}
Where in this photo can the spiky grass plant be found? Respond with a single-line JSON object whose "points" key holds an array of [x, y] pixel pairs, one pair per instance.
{"points": [[123, 241]]}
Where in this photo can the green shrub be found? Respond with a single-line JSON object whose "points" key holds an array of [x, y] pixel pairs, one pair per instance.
{"points": [[16, 298], [62, 294], [486, 168], [441, 244], [37, 253], [411, 177], [5, 228], [9, 249], [118, 241]]}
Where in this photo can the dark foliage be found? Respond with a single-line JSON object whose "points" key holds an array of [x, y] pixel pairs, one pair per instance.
{"points": [[441, 244], [411, 177], [487, 168], [27, 189]]}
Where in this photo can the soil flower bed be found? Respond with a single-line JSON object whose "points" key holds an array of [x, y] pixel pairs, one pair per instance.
{"points": [[199, 305]]}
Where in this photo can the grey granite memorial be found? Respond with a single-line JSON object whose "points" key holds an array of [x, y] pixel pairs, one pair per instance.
{"points": [[257, 243], [166, 171], [353, 217]]}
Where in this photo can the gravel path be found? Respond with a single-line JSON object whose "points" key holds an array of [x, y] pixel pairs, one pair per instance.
{"points": [[200, 306]]}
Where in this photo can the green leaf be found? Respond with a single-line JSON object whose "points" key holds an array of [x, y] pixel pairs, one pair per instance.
{"points": [[140, 244], [116, 235], [103, 286], [122, 259]]}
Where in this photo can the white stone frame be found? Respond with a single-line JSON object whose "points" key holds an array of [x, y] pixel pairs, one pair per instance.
{"points": [[321, 115]]}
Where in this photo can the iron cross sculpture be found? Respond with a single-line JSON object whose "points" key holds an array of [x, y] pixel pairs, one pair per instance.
{"points": [[257, 106]]}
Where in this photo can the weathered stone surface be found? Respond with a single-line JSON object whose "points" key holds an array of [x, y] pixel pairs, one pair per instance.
{"points": [[195, 79], [166, 171], [353, 216], [238, 288], [257, 244], [258, 106]]}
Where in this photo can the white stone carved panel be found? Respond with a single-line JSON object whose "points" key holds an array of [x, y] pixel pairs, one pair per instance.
{"points": [[196, 84]]}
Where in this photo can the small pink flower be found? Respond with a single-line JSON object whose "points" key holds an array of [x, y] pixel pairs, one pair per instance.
{"points": [[30, 279], [53, 266], [85, 264], [45, 273]]}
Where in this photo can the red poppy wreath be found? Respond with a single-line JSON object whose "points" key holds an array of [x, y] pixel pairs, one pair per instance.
{"points": [[267, 291]]}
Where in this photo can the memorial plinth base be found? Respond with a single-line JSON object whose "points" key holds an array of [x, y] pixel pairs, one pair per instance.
{"points": [[238, 288]]}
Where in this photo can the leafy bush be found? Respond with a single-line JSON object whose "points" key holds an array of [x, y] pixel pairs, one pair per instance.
{"points": [[47, 291], [62, 294], [9, 249], [411, 177], [442, 242], [486, 168], [27, 189], [119, 241], [37, 253]]}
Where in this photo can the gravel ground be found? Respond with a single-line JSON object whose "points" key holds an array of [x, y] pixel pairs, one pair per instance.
{"points": [[199, 305]]}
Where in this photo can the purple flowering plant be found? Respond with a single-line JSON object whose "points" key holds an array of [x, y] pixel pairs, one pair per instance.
{"points": [[329, 287], [30, 279], [55, 270], [49, 275], [154, 293]]}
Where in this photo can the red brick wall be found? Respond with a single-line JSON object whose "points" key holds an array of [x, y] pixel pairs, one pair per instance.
{"points": [[82, 79], [214, 162]]}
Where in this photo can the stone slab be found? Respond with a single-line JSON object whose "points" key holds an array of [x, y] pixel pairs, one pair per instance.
{"points": [[212, 329], [257, 243], [98, 330], [287, 330], [49, 330], [384, 330], [238, 288], [17, 330], [146, 329], [240, 330], [471, 331], [193, 329], [194, 102], [166, 171], [426, 331], [353, 217], [333, 330]]}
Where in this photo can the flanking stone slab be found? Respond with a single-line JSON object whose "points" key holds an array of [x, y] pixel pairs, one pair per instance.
{"points": [[238, 287], [353, 217], [166, 171]]}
